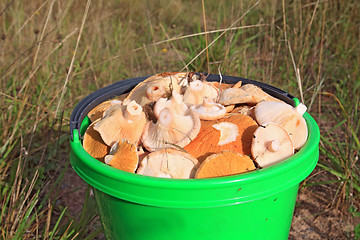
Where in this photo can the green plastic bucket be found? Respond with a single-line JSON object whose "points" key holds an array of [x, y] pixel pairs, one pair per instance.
{"points": [[254, 205]]}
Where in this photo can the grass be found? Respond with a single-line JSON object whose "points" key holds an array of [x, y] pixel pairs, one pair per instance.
{"points": [[54, 53]]}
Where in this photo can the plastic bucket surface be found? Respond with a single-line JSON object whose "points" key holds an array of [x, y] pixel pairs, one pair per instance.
{"points": [[254, 205]]}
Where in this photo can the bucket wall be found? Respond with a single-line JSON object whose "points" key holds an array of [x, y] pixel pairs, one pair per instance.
{"points": [[254, 205]]}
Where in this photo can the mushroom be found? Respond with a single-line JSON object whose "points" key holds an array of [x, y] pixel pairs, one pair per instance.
{"points": [[168, 163], [286, 116], [233, 96], [98, 111], [246, 110], [197, 90], [271, 144], [225, 163], [122, 122], [229, 108], [209, 110], [175, 104], [93, 143], [257, 94], [124, 156], [237, 85], [221, 86], [156, 87], [233, 132], [247, 93], [170, 130]]}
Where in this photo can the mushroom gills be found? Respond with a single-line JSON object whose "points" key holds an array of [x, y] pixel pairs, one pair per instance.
{"points": [[271, 144], [286, 116], [169, 163]]}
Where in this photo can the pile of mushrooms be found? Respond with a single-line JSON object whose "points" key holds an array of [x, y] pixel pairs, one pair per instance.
{"points": [[179, 125]]}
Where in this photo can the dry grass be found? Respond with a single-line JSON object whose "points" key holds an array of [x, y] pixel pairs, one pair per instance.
{"points": [[54, 53]]}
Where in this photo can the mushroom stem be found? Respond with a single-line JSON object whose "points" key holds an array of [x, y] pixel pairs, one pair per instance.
{"points": [[132, 110], [155, 91], [208, 102], [176, 97], [197, 85], [165, 117], [301, 109], [274, 145]]}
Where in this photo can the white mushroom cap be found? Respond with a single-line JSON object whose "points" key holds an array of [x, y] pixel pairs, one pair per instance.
{"points": [[271, 144], [286, 116], [209, 110], [170, 129], [168, 163], [197, 90]]}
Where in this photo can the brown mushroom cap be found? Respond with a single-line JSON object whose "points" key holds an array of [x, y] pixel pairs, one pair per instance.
{"points": [[234, 96], [170, 129], [247, 93], [123, 156], [168, 163], [271, 144], [197, 90], [93, 143], [98, 111], [225, 163], [122, 122], [257, 94], [155, 87], [209, 110], [287, 117], [234, 132]]}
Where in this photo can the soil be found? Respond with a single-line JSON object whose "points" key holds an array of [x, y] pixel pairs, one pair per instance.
{"points": [[316, 216]]}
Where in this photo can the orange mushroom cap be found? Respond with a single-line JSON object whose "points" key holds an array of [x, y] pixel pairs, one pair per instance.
{"points": [[234, 132], [124, 156], [93, 143], [225, 163]]}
